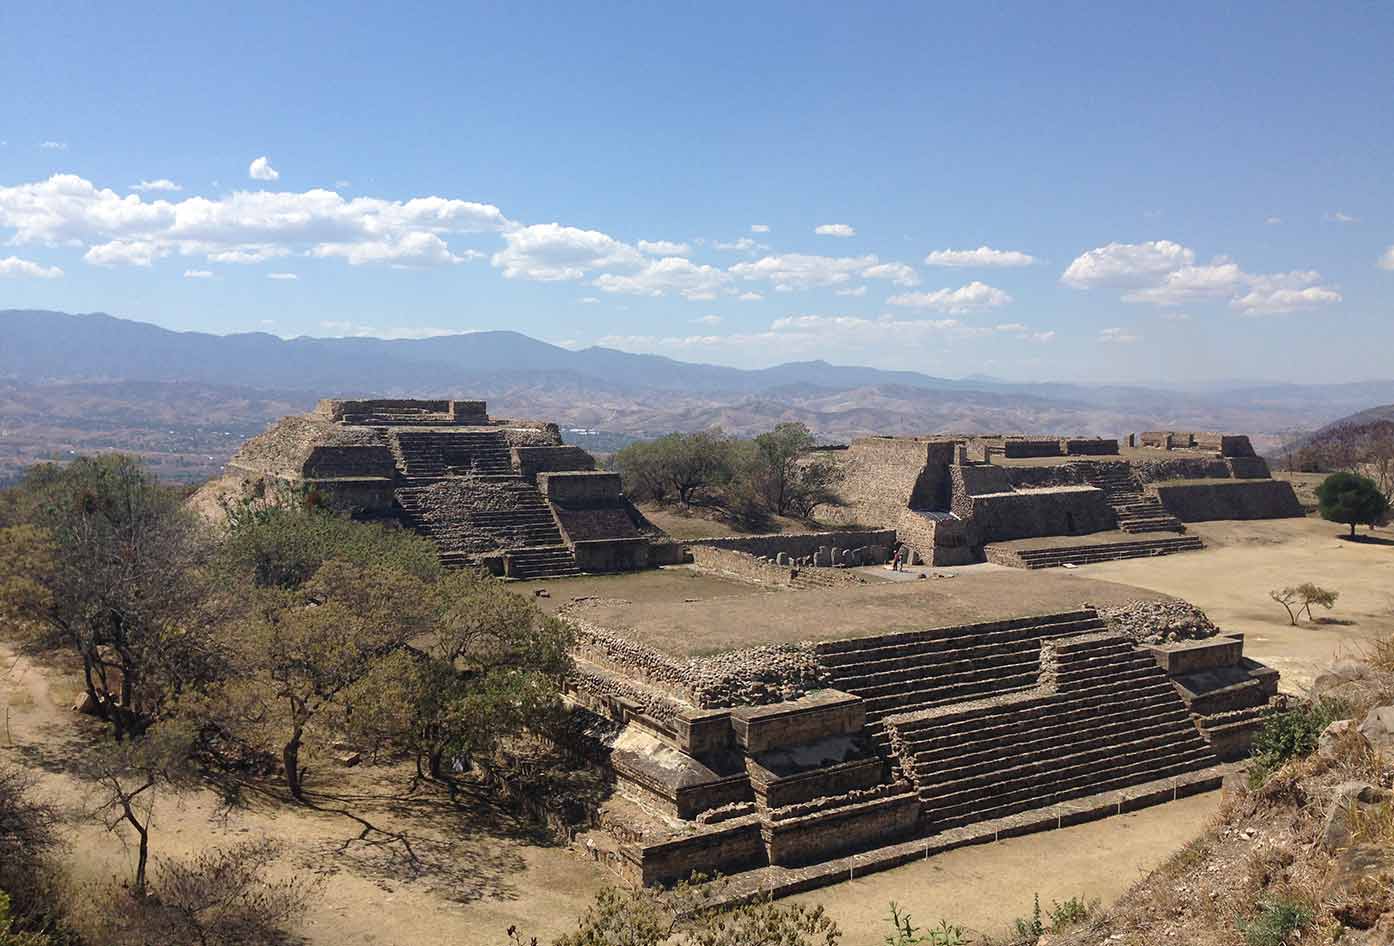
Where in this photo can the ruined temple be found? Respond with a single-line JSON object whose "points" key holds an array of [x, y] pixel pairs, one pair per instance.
{"points": [[1036, 502], [502, 494]]}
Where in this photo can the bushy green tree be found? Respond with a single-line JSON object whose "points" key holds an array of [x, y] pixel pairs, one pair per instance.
{"points": [[281, 546], [1351, 499], [677, 465], [786, 475], [101, 559]]}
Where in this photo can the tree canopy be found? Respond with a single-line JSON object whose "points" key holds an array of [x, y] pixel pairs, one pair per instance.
{"points": [[1351, 499]]}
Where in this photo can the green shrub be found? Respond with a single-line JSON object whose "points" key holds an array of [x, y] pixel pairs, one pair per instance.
{"points": [[1292, 734], [1032, 929], [905, 933], [1072, 912], [1275, 922]]}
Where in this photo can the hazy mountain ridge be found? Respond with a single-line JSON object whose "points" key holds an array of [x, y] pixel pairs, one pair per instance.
{"points": [[186, 399]]}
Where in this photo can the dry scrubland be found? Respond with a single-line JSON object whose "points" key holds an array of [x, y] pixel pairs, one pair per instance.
{"points": [[485, 868]]}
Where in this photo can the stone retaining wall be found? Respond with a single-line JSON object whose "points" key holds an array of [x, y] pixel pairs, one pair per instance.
{"points": [[797, 544], [530, 461], [1033, 513], [1237, 499], [746, 567]]}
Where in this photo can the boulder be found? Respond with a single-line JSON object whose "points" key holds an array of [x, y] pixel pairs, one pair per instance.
{"points": [[1378, 730], [1347, 799], [1343, 680], [1331, 738]]}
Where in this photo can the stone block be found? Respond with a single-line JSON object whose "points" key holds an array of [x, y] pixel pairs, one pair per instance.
{"points": [[819, 715], [1191, 656]]}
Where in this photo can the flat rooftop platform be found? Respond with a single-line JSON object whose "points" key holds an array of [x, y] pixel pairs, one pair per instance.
{"points": [[1116, 537], [718, 619], [1125, 453]]}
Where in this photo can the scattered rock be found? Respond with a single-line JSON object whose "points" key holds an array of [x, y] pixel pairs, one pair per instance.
{"points": [[85, 704], [1329, 742], [349, 759], [1347, 799], [1378, 730], [1160, 622], [542, 593]]}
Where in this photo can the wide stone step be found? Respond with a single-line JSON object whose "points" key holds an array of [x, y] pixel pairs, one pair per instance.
{"points": [[989, 741], [930, 696], [1082, 787], [827, 649], [899, 646], [1008, 760], [1132, 760], [937, 676], [950, 723]]}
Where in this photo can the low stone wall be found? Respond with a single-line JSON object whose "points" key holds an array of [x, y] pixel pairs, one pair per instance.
{"points": [[1032, 513], [530, 461], [358, 497], [611, 555], [1248, 468], [1236, 499], [367, 460], [580, 488], [820, 715], [1181, 468], [747, 567], [778, 791], [825, 834], [797, 544], [1019, 449], [728, 847], [1089, 447]]}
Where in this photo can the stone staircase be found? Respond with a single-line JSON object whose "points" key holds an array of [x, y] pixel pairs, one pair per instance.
{"points": [[525, 530], [433, 454], [1112, 721], [904, 673], [1136, 511], [1084, 554], [555, 561]]}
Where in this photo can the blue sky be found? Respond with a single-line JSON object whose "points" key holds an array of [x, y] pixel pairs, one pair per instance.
{"points": [[1042, 191]]}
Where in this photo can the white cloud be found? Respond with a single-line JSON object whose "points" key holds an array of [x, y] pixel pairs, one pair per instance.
{"points": [[664, 248], [1043, 337], [550, 252], [899, 273], [282, 276], [672, 273], [341, 184], [198, 274], [1118, 336], [742, 245], [1273, 221], [163, 184], [750, 297], [261, 170], [797, 271], [1387, 260], [982, 256], [759, 228], [835, 230], [242, 227], [707, 320], [1126, 265], [125, 253], [1165, 274], [1015, 327], [1175, 317], [1339, 217], [855, 291], [589, 300], [53, 145], [1192, 284], [14, 266], [974, 296]]}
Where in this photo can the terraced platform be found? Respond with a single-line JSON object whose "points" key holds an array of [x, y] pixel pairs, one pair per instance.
{"points": [[1136, 511], [1083, 550]]}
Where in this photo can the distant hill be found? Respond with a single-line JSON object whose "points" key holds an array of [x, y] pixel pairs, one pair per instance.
{"points": [[1307, 450], [74, 383]]}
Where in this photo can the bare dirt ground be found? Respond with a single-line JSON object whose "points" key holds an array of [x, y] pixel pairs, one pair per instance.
{"points": [[482, 869], [984, 888], [1243, 561]]}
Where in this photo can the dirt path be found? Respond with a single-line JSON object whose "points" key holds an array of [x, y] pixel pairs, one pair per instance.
{"points": [[1244, 560]]}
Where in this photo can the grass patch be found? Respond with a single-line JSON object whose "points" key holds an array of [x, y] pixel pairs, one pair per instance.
{"points": [[1275, 922]]}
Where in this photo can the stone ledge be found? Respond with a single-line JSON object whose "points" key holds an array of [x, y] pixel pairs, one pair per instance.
{"points": [[777, 881]]}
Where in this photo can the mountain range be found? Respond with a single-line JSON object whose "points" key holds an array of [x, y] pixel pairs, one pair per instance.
{"points": [[76, 382]]}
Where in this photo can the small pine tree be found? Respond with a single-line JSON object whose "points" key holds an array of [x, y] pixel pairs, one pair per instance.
{"points": [[1351, 499]]}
